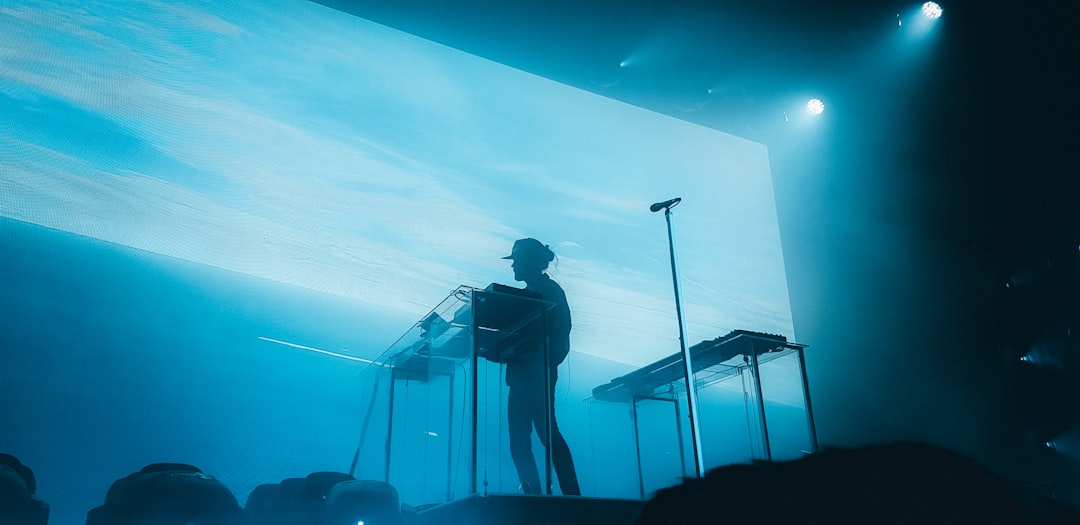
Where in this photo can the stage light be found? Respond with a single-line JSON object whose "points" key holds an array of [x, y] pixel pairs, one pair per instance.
{"points": [[932, 10], [815, 106], [915, 26]]}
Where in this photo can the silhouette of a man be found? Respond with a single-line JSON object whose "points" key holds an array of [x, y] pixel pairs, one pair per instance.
{"points": [[527, 407]]}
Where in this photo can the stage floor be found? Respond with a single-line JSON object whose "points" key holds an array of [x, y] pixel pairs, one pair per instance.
{"points": [[527, 509]]}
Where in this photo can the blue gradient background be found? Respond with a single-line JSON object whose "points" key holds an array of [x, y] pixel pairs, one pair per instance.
{"points": [[179, 179]]}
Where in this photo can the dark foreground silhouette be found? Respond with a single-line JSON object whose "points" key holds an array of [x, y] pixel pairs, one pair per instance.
{"points": [[904, 483]]}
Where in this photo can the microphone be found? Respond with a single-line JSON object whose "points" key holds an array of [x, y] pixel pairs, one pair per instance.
{"points": [[666, 204]]}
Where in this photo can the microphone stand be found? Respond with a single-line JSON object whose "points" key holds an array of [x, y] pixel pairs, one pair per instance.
{"points": [[691, 389]]}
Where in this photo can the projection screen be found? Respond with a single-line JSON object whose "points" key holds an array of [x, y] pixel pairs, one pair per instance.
{"points": [[295, 147]]}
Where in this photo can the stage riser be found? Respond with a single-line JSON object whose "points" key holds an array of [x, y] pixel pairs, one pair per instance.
{"points": [[529, 510]]}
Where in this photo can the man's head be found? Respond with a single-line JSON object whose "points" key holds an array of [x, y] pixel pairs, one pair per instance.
{"points": [[530, 257]]}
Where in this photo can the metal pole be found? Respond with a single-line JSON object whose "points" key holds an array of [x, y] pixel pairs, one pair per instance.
{"points": [[450, 438], [679, 435], [390, 423], [756, 371], [475, 392], [549, 404], [806, 399], [691, 389], [637, 444]]}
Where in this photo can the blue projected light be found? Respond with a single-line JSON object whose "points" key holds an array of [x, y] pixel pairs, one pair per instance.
{"points": [[389, 174], [258, 198]]}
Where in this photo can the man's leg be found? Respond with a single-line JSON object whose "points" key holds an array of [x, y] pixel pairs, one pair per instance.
{"points": [[561, 459], [519, 423], [564, 464]]}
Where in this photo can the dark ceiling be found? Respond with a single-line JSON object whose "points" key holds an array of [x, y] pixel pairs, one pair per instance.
{"points": [[720, 64]]}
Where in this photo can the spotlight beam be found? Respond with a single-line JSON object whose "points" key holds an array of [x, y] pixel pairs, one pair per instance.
{"points": [[320, 351]]}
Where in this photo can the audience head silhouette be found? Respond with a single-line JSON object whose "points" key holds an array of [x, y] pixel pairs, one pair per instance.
{"points": [[17, 487], [167, 494]]}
